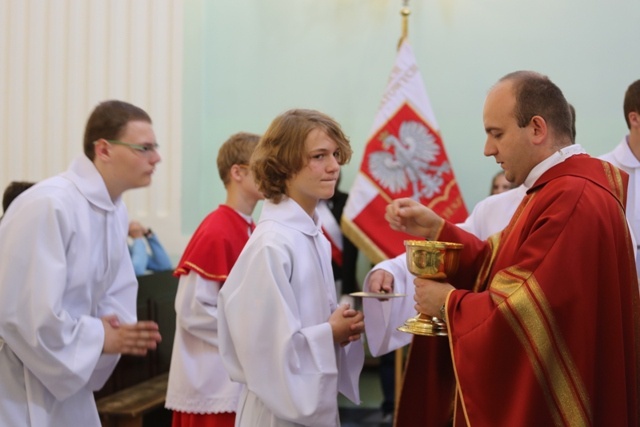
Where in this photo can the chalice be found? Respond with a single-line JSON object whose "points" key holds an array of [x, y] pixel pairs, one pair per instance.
{"points": [[434, 260]]}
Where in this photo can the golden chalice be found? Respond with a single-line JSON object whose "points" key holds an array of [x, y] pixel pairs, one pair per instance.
{"points": [[430, 260]]}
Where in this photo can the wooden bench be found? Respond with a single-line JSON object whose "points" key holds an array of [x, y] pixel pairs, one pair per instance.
{"points": [[138, 385], [127, 407]]}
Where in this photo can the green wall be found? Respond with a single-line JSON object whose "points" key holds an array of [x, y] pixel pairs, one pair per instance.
{"points": [[248, 60]]}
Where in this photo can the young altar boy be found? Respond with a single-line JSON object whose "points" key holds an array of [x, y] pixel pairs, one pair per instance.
{"points": [[282, 334]]}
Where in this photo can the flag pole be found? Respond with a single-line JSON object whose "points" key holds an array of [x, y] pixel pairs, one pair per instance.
{"points": [[399, 353], [404, 12], [405, 112], [398, 375]]}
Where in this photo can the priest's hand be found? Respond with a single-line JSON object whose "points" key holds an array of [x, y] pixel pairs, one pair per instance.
{"points": [[133, 338], [410, 216], [381, 282], [430, 296], [346, 324]]}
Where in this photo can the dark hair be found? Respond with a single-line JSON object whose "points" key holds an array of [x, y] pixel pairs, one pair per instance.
{"points": [[632, 101], [572, 110], [12, 191], [108, 121], [281, 151], [537, 95]]}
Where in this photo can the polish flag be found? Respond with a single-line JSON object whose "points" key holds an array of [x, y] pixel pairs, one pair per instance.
{"points": [[404, 157]]}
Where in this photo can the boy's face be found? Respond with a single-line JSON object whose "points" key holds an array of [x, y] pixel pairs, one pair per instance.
{"points": [[134, 168], [318, 177], [249, 185]]}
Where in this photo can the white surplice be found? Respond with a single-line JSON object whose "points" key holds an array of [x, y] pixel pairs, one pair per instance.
{"points": [[198, 382], [274, 333], [623, 158], [64, 264], [492, 214]]}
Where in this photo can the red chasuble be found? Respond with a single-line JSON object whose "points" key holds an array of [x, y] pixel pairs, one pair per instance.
{"points": [[548, 331], [215, 245]]}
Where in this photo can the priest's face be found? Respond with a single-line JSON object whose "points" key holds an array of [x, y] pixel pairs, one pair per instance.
{"points": [[508, 143], [318, 177]]}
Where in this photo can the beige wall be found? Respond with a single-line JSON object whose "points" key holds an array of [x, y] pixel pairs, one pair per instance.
{"points": [[60, 58]]}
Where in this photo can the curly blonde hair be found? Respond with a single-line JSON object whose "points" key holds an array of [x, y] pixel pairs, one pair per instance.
{"points": [[280, 154]]}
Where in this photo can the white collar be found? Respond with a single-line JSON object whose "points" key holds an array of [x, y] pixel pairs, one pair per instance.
{"points": [[554, 159], [290, 214]]}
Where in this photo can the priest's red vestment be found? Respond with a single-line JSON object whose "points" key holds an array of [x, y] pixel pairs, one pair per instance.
{"points": [[544, 323]]}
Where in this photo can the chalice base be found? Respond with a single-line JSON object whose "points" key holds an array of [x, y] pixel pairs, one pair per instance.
{"points": [[423, 325]]}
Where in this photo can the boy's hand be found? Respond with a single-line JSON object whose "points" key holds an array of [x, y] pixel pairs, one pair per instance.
{"points": [[134, 338], [347, 324]]}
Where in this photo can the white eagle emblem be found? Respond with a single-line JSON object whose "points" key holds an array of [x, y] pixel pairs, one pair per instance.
{"points": [[408, 159]]}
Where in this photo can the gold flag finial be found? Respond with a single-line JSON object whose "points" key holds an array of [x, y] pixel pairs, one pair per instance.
{"points": [[405, 12]]}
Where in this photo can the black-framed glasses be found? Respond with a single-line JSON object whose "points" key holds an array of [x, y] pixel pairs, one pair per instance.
{"points": [[147, 148]]}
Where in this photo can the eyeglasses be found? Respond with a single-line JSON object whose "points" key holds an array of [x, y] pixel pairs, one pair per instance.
{"points": [[146, 149]]}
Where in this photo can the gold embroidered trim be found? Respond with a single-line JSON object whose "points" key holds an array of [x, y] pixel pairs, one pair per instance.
{"points": [[217, 277], [615, 179], [520, 299]]}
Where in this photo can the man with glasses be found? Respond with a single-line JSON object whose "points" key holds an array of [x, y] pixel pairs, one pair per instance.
{"points": [[67, 285]]}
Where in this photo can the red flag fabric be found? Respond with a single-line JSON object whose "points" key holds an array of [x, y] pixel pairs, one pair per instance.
{"points": [[404, 157], [331, 230]]}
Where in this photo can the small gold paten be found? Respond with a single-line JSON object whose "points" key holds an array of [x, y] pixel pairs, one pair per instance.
{"points": [[430, 260]]}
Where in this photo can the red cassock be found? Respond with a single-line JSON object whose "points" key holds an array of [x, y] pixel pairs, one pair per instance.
{"points": [[211, 253], [544, 324]]}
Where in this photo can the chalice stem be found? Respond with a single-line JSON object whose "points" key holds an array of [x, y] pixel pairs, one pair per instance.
{"points": [[428, 259]]}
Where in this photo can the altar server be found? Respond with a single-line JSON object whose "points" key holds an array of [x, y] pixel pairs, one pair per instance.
{"points": [[67, 285], [282, 334]]}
